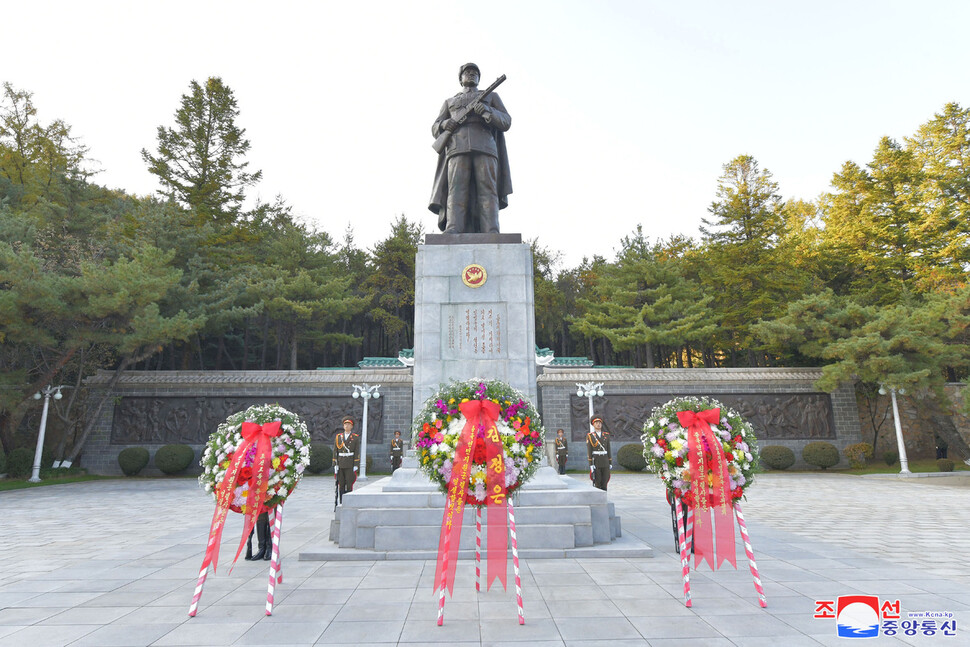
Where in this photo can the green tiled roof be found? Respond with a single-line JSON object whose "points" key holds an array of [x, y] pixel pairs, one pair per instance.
{"points": [[380, 362], [571, 361]]}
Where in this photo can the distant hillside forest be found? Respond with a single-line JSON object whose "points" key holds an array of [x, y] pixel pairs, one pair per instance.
{"points": [[869, 280]]}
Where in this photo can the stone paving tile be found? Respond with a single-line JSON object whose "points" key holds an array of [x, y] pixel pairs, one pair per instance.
{"points": [[370, 631], [694, 642], [27, 615], [199, 634], [590, 608], [48, 636], [122, 636], [596, 628], [294, 633]]}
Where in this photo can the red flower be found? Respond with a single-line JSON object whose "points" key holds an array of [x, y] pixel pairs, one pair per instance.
{"points": [[283, 459], [478, 453], [679, 461], [245, 474]]}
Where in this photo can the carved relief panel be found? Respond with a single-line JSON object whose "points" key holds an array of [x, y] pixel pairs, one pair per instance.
{"points": [[190, 420], [789, 416]]}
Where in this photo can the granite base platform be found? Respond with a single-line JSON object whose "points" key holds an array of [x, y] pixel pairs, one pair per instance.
{"points": [[399, 518]]}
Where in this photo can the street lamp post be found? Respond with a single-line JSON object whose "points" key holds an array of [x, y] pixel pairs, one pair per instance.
{"points": [[901, 446], [588, 390], [366, 392], [47, 392]]}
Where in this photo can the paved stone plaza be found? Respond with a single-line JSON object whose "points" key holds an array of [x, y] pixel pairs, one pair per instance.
{"points": [[115, 562]]}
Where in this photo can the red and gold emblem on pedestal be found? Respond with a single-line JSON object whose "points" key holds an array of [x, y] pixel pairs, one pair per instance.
{"points": [[474, 276]]}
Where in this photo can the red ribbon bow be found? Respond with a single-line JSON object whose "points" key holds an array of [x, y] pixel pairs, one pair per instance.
{"points": [[259, 472], [479, 415], [714, 496]]}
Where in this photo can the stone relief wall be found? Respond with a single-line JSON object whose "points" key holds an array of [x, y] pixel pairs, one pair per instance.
{"points": [[776, 417], [146, 420], [781, 403], [156, 408]]}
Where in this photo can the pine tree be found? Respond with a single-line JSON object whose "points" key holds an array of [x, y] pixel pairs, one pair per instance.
{"points": [[200, 163]]}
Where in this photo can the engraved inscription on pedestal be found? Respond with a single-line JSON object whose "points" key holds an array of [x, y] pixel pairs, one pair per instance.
{"points": [[474, 331], [792, 416]]}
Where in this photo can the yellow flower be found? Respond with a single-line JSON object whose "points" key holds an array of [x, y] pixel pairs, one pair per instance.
{"points": [[464, 400], [451, 401], [669, 456], [276, 463], [676, 444]]}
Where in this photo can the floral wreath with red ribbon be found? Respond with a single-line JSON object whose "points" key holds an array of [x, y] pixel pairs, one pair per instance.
{"points": [[479, 440], [697, 444], [251, 464], [439, 426]]}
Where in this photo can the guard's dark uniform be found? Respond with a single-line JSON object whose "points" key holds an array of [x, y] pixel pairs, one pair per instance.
{"points": [[600, 457], [397, 453], [562, 453], [346, 458]]}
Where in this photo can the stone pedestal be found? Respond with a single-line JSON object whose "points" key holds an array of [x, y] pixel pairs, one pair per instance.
{"points": [[400, 518], [473, 313]]}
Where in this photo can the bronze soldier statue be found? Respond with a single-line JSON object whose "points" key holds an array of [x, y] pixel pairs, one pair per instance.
{"points": [[472, 179]]}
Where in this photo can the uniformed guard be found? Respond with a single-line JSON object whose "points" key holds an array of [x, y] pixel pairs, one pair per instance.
{"points": [[397, 451], [562, 450], [346, 458], [598, 452]]}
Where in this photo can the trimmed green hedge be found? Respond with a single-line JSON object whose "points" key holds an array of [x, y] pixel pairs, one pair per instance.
{"points": [[3, 462], [631, 457], [172, 459], [944, 464], [20, 462], [777, 457], [133, 460], [321, 458], [821, 454]]}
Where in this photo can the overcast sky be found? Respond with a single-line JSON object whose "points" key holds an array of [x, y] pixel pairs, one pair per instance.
{"points": [[622, 112]]}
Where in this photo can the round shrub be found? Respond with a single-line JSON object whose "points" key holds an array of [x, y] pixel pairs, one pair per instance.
{"points": [[3, 462], [859, 454], [821, 454], [133, 460], [321, 458], [777, 457], [944, 464], [172, 459], [20, 462], [890, 457], [630, 456]]}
